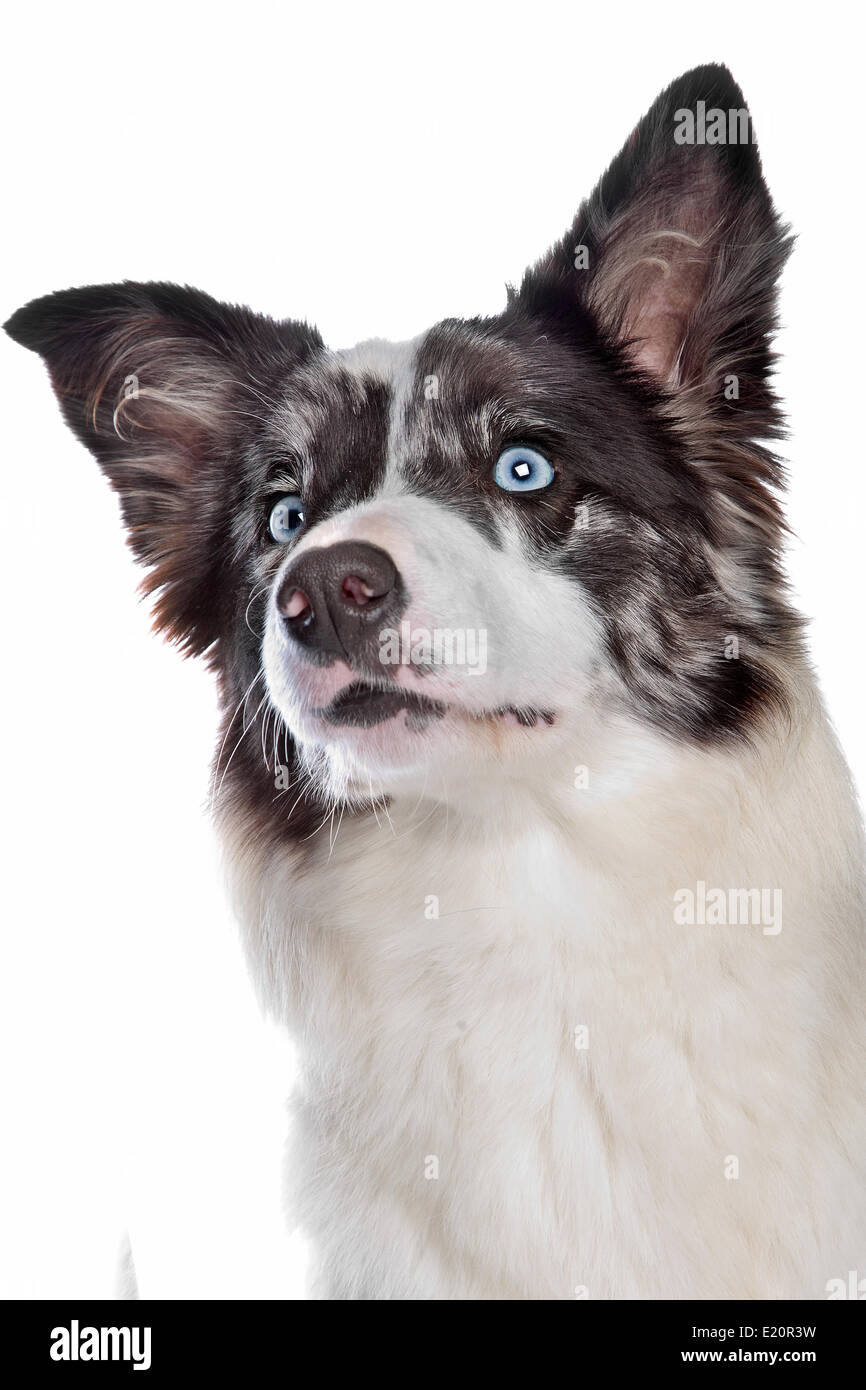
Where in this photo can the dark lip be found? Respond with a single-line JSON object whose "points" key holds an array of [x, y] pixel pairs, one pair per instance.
{"points": [[526, 716], [362, 705]]}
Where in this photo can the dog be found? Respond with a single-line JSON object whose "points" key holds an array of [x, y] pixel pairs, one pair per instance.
{"points": [[541, 841]]}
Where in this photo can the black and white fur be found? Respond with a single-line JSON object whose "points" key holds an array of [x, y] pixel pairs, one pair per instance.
{"points": [[442, 899]]}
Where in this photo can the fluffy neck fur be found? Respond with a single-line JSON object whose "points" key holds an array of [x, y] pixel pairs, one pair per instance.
{"points": [[452, 1138]]}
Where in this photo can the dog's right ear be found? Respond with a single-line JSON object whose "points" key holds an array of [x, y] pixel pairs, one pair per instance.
{"points": [[152, 378], [677, 252]]}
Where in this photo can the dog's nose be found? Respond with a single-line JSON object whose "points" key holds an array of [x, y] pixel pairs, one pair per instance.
{"points": [[337, 598]]}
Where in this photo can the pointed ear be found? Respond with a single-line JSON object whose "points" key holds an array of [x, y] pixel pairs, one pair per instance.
{"points": [[153, 379], [676, 254]]}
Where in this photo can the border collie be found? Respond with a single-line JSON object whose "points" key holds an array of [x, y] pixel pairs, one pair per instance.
{"points": [[541, 841]]}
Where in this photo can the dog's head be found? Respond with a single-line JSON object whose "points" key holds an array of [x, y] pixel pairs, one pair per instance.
{"points": [[442, 554]]}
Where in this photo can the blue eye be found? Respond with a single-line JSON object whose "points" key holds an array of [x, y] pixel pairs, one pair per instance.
{"points": [[523, 470], [286, 517]]}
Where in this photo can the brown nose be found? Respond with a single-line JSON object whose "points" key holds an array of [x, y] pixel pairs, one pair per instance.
{"points": [[335, 599]]}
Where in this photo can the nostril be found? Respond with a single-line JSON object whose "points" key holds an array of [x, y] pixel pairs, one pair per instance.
{"points": [[358, 591], [334, 597], [296, 605]]}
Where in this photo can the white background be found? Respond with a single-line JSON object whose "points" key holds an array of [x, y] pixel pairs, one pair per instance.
{"points": [[372, 168]]}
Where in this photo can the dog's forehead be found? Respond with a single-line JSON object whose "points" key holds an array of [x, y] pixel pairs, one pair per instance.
{"points": [[455, 384], [343, 399], [463, 359]]}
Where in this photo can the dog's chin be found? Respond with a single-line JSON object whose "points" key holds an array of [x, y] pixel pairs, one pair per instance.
{"points": [[390, 734]]}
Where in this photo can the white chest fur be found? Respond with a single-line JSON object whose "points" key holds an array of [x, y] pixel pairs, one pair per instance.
{"points": [[526, 1079]]}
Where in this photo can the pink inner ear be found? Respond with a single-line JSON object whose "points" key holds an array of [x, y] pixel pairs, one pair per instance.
{"points": [[668, 287], [655, 266]]}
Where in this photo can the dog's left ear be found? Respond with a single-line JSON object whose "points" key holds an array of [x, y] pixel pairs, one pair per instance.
{"points": [[675, 256], [153, 378]]}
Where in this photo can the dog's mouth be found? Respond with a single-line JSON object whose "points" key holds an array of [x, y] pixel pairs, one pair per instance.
{"points": [[362, 706]]}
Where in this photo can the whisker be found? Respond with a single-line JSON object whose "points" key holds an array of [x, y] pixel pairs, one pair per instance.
{"points": [[241, 701], [268, 712], [244, 732], [322, 823], [255, 594]]}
